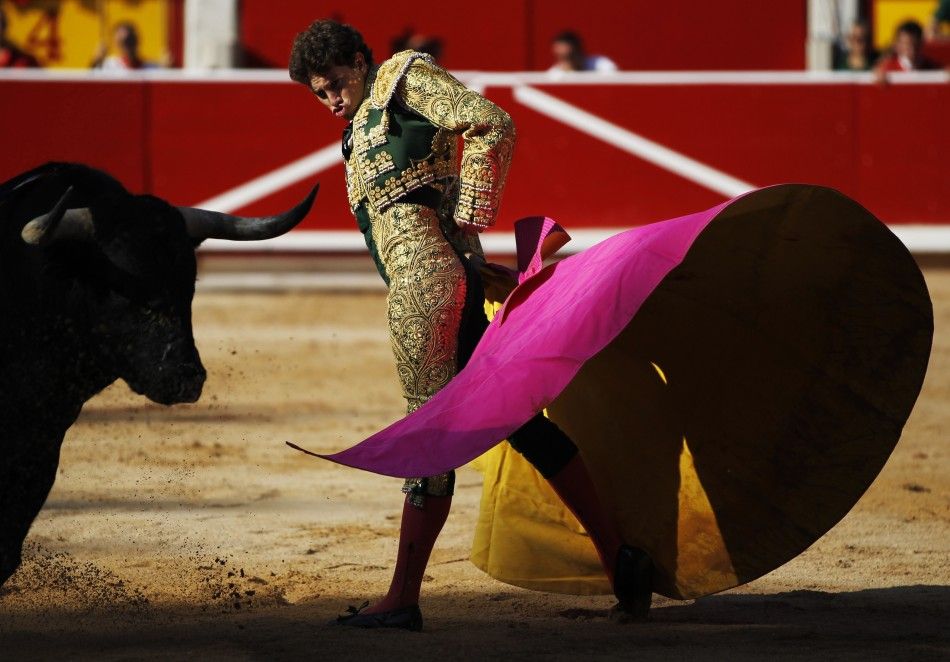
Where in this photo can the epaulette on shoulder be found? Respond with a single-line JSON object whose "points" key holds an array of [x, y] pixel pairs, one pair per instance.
{"points": [[390, 73]]}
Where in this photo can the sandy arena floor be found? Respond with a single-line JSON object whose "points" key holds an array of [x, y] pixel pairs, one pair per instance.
{"points": [[194, 532]]}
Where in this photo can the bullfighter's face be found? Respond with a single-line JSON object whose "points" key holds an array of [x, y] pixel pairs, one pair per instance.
{"points": [[341, 88]]}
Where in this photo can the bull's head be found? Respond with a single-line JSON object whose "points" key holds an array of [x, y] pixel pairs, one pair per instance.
{"points": [[135, 256]]}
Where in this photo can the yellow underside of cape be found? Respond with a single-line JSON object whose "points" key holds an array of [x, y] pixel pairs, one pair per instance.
{"points": [[525, 535]]}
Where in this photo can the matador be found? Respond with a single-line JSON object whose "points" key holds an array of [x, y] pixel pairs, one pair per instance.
{"points": [[420, 205]]}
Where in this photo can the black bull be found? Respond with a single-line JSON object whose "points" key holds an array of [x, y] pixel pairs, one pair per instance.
{"points": [[95, 285]]}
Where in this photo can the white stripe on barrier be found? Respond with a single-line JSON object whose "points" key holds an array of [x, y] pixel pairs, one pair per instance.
{"points": [[514, 79], [351, 241], [919, 238], [275, 281], [630, 142], [923, 238]]}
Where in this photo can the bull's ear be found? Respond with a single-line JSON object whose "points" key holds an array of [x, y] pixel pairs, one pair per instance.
{"points": [[61, 222]]}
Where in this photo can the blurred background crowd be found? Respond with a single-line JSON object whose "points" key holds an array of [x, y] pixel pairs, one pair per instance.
{"points": [[517, 35], [747, 93]]}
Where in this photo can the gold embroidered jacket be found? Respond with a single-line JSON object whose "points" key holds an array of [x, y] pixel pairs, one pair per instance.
{"points": [[404, 138]]}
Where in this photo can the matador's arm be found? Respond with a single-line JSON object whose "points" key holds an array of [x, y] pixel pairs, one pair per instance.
{"points": [[487, 131]]}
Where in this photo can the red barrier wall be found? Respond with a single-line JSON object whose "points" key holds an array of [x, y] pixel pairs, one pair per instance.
{"points": [[650, 35], [762, 135], [481, 39], [192, 141], [102, 124], [516, 34]]}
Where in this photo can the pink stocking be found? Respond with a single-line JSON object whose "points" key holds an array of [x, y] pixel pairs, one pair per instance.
{"points": [[417, 534]]}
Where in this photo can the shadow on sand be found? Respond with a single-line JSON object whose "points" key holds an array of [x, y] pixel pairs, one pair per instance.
{"points": [[906, 622]]}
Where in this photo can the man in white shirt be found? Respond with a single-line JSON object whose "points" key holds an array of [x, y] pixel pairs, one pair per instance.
{"points": [[569, 55]]}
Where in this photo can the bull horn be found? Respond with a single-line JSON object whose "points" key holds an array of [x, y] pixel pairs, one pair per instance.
{"points": [[204, 224], [59, 223]]}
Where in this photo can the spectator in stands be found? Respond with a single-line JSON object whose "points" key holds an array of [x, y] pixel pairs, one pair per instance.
{"points": [[125, 44], [941, 16], [569, 55], [905, 52], [410, 40], [10, 55], [857, 54]]}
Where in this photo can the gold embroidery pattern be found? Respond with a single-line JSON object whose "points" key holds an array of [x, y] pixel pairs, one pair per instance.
{"points": [[427, 282], [355, 190], [487, 131], [390, 73], [476, 199], [364, 140], [378, 165], [376, 137], [463, 242], [417, 489], [426, 298], [415, 176]]}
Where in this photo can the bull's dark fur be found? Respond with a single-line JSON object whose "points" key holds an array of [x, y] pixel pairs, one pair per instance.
{"points": [[75, 315]]}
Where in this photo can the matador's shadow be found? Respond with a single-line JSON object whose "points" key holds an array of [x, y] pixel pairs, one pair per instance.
{"points": [[902, 622]]}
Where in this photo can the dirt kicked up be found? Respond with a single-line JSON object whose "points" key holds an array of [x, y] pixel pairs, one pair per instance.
{"points": [[194, 532]]}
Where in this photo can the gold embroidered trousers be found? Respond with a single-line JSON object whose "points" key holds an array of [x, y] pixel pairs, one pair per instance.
{"points": [[426, 305], [427, 285]]}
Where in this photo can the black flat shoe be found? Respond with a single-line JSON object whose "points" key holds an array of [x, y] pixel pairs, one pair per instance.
{"points": [[633, 584], [404, 618]]}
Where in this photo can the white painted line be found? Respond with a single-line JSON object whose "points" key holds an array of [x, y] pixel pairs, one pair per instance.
{"points": [[919, 238], [515, 79], [275, 180], [268, 335], [267, 281], [351, 241], [298, 241], [630, 142]]}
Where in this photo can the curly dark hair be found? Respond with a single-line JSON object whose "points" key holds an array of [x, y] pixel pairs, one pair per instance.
{"points": [[912, 28], [324, 45], [569, 37]]}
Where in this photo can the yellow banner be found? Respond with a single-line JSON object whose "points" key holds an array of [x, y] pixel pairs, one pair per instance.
{"points": [[70, 33], [888, 14]]}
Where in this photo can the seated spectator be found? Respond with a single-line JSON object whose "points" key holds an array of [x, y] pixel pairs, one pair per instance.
{"points": [[857, 53], [10, 55], [905, 52], [415, 41], [941, 16], [569, 55], [125, 43]]}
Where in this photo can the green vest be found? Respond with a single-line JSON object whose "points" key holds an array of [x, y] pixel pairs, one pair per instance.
{"points": [[394, 155]]}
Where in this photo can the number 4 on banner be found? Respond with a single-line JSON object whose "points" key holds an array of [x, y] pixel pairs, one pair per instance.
{"points": [[47, 25]]}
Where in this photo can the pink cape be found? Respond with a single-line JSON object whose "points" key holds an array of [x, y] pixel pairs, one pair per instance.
{"points": [[558, 318], [561, 316], [734, 379]]}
